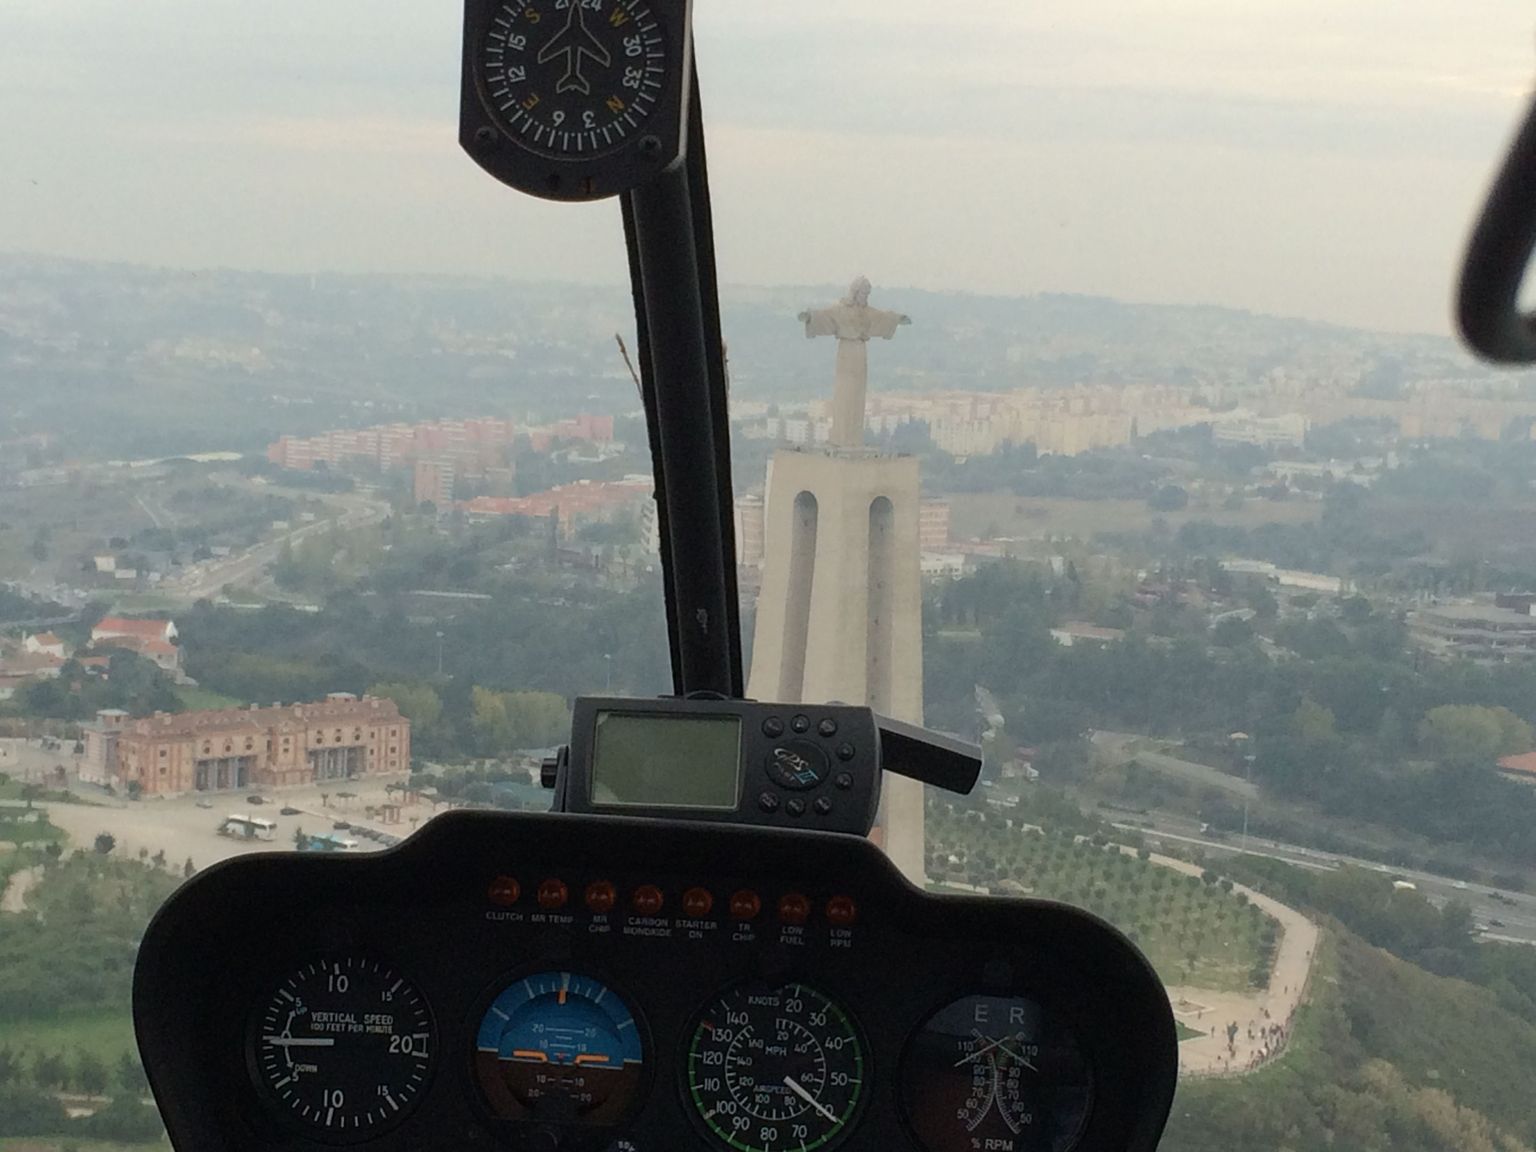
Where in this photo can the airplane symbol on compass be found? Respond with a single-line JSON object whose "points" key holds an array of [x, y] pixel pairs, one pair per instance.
{"points": [[573, 42]]}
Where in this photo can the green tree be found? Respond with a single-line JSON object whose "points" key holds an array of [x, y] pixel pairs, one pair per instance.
{"points": [[49, 1070], [1312, 724], [1231, 632], [27, 1112], [90, 1073], [130, 1077], [419, 703], [504, 721], [104, 843], [488, 717], [1263, 602], [1471, 734]]}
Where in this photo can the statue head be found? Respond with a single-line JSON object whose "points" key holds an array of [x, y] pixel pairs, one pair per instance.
{"points": [[858, 292]]}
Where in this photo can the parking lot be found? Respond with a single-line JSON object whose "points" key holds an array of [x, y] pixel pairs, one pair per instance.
{"points": [[186, 827]]}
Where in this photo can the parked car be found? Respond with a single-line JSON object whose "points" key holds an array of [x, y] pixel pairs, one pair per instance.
{"points": [[288, 810], [254, 799], [205, 803], [341, 826]]}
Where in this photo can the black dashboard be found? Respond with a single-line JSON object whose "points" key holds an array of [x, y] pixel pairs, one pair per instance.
{"points": [[603, 984]]}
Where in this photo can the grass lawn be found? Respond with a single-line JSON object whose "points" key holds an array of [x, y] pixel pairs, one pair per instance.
{"points": [[107, 1036], [198, 699], [1187, 1033], [1191, 932], [37, 832]]}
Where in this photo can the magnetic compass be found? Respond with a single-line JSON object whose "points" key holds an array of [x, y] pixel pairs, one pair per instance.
{"points": [[574, 99]]}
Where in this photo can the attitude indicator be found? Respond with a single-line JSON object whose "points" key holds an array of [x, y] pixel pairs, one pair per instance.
{"points": [[559, 1047]]}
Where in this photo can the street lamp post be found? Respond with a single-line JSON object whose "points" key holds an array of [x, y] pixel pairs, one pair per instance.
{"points": [[1248, 779], [608, 667]]}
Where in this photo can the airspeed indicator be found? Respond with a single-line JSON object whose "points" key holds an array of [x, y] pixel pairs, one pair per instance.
{"points": [[775, 1069]]}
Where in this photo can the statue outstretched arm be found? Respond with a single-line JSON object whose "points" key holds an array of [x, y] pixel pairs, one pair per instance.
{"points": [[883, 324], [819, 323]]}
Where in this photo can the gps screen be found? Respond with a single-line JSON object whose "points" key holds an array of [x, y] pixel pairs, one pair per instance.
{"points": [[642, 760]]}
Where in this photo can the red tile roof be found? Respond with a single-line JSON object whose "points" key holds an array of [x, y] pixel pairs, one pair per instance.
{"points": [[124, 626], [1524, 764], [368, 709]]}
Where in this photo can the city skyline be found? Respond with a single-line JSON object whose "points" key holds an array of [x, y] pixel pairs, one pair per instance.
{"points": [[1254, 158]]}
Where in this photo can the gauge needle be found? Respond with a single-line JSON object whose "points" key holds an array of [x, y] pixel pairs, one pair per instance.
{"points": [[301, 1041], [970, 1056], [1001, 1044], [794, 1086]]}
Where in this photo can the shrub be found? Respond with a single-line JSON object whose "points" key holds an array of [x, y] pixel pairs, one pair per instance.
{"points": [[30, 1112]]}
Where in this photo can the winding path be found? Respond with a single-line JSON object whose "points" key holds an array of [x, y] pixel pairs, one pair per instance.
{"points": [[1211, 1012], [14, 896]]}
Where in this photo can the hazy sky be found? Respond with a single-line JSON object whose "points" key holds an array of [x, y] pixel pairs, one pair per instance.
{"points": [[1319, 158]]}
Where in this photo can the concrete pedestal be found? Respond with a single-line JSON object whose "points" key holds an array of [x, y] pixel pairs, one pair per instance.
{"points": [[840, 612]]}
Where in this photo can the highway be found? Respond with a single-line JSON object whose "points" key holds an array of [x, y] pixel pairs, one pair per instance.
{"points": [[208, 578], [1499, 915], [1507, 916]]}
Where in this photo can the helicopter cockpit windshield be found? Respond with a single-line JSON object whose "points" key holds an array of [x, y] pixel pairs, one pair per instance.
{"points": [[700, 948], [640, 576]]}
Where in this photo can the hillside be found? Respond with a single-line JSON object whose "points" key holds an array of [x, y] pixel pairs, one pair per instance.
{"points": [[136, 361], [1387, 1058]]}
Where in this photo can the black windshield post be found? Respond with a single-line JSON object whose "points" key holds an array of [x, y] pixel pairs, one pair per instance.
{"points": [[693, 497]]}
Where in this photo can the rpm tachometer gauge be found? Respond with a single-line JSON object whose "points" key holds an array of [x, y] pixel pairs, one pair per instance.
{"points": [[775, 1068], [342, 1048], [995, 1074]]}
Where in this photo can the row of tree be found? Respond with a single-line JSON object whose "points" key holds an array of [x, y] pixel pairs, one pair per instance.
{"points": [[81, 1071]]}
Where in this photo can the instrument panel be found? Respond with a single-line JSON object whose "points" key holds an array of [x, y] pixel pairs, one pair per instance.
{"points": [[608, 984]]}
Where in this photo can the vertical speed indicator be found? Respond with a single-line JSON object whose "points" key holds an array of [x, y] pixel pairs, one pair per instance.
{"points": [[342, 1049]]}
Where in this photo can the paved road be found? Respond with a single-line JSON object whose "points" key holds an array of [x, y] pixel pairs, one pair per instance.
{"points": [[13, 895], [209, 577], [1500, 915], [1507, 916], [27, 760]]}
